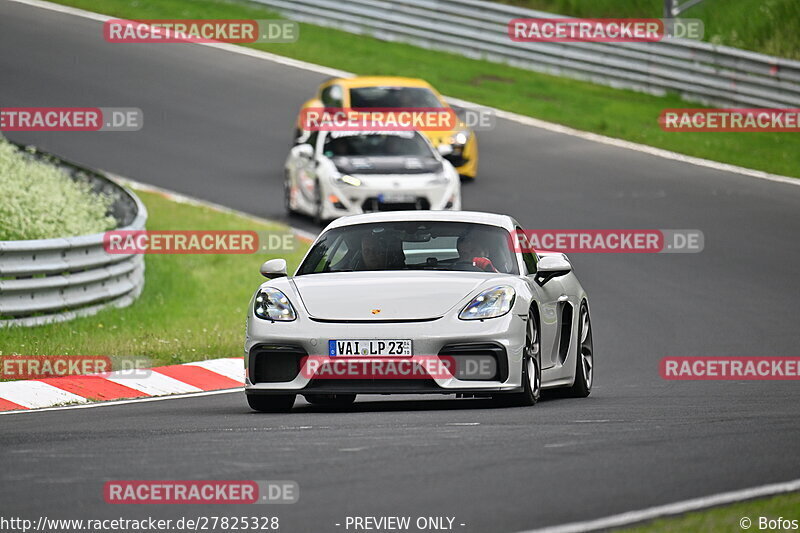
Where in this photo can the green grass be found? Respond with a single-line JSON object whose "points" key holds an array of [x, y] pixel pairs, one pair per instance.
{"points": [[726, 519], [193, 307], [766, 26], [616, 113], [40, 201]]}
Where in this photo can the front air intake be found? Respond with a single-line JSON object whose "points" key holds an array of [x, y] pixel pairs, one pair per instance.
{"points": [[271, 363], [475, 351]]}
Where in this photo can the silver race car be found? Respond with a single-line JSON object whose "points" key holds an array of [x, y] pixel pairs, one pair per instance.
{"points": [[336, 173], [418, 302]]}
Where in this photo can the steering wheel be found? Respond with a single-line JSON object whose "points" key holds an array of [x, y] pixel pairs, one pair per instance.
{"points": [[478, 264]]}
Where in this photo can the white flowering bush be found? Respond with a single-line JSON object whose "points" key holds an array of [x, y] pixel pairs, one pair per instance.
{"points": [[40, 201]]}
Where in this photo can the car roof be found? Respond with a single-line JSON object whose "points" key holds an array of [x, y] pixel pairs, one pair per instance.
{"points": [[381, 81], [475, 217]]}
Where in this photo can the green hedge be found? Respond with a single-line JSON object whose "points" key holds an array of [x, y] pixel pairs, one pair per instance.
{"points": [[40, 201]]}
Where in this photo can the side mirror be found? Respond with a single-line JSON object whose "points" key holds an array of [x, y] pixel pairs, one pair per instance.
{"points": [[444, 150], [305, 150], [551, 266], [274, 268]]}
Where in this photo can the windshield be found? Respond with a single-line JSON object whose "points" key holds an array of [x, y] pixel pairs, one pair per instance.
{"points": [[393, 97], [375, 144], [412, 245]]}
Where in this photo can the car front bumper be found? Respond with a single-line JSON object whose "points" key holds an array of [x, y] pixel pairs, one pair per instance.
{"points": [[358, 200], [277, 343]]}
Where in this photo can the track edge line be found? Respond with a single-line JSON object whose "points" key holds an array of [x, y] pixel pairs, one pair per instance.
{"points": [[673, 509]]}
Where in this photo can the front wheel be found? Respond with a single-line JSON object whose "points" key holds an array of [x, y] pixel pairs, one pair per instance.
{"points": [[531, 371], [287, 194], [317, 216], [584, 361], [271, 403]]}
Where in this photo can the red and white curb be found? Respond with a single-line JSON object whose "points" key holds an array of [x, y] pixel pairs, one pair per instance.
{"points": [[201, 376]]}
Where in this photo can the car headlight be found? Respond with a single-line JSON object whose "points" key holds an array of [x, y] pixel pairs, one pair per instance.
{"points": [[272, 304], [490, 303], [350, 180], [460, 138]]}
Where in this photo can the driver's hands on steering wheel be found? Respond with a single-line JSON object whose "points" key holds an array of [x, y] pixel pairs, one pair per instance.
{"points": [[484, 263]]}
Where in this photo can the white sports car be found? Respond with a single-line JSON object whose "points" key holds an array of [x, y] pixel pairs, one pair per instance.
{"points": [[337, 173], [418, 302]]}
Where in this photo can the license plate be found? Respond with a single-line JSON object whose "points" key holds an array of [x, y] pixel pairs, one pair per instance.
{"points": [[396, 198], [369, 347]]}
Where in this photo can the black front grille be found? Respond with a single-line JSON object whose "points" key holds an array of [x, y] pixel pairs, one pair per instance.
{"points": [[373, 204], [271, 363], [491, 349]]}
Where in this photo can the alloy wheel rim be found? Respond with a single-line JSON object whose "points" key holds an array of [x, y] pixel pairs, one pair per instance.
{"points": [[586, 348], [532, 349], [533, 378]]}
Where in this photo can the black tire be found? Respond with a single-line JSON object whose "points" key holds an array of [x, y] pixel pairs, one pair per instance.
{"points": [[584, 370], [317, 216], [531, 363], [287, 194], [331, 400], [271, 403]]}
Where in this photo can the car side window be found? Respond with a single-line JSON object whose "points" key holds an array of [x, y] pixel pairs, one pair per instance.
{"points": [[324, 252], [528, 256], [331, 96], [530, 262]]}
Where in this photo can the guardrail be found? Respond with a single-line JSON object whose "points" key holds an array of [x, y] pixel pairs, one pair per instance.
{"points": [[698, 71], [53, 280]]}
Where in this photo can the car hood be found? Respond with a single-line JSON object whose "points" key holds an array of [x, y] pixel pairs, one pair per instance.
{"points": [[385, 295], [387, 165]]}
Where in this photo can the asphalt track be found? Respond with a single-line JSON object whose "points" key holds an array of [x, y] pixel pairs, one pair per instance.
{"points": [[217, 126]]}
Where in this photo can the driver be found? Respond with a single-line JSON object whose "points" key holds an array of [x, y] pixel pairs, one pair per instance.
{"points": [[472, 251]]}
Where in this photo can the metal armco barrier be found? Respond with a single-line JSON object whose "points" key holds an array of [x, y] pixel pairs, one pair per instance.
{"points": [[698, 71], [53, 280]]}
